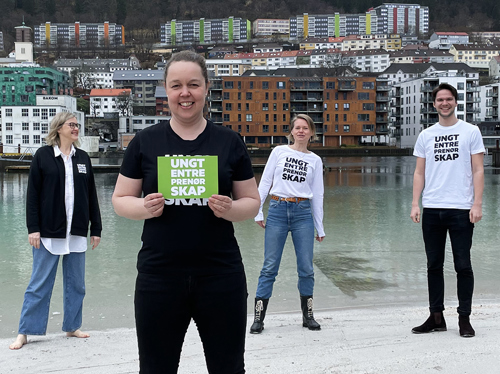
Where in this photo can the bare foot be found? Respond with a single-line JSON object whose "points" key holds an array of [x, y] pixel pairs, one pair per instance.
{"points": [[20, 341], [77, 334]]}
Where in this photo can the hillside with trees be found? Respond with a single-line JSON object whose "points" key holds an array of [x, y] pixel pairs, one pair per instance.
{"points": [[143, 17]]}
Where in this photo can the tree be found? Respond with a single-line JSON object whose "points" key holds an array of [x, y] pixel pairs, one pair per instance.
{"points": [[83, 105], [124, 102], [83, 79]]}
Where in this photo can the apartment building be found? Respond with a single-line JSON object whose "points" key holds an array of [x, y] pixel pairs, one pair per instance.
{"points": [[412, 107], [494, 67], [24, 127], [321, 43], [398, 18], [334, 25], [418, 56], [259, 105], [444, 40], [21, 84], [475, 55], [79, 35], [232, 29], [142, 83], [265, 27], [110, 103], [227, 66]]}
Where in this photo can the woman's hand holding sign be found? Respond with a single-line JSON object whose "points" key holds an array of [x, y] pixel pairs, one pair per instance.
{"points": [[220, 204], [154, 204]]}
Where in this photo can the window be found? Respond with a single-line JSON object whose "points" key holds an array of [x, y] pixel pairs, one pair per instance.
{"points": [[284, 117], [9, 139], [36, 126], [336, 106], [239, 117], [26, 139], [368, 106], [368, 128], [225, 96], [275, 96], [229, 106], [267, 95], [285, 106], [247, 107], [149, 121], [36, 112], [249, 118], [347, 128], [8, 126], [280, 85], [275, 128], [275, 117], [275, 107], [8, 112], [45, 114], [26, 126], [345, 117], [265, 106], [36, 139], [267, 117], [363, 117], [363, 96], [251, 84], [330, 85], [239, 106], [248, 128], [336, 128], [52, 112], [239, 128], [265, 85], [45, 128], [25, 112], [228, 84], [249, 96], [460, 86], [226, 117], [239, 85], [368, 85], [265, 128], [327, 117], [239, 95], [284, 95], [347, 106], [286, 128], [460, 107]]}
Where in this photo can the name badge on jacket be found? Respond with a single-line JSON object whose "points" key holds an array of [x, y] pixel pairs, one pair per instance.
{"points": [[82, 168]]}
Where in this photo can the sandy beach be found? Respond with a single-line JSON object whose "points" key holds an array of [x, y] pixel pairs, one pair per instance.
{"points": [[362, 340]]}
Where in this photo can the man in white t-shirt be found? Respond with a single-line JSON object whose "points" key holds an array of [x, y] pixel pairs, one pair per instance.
{"points": [[450, 177]]}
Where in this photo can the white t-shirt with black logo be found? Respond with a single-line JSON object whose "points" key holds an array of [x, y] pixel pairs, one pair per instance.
{"points": [[448, 154]]}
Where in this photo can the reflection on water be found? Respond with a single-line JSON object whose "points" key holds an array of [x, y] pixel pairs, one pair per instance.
{"points": [[350, 274], [372, 253]]}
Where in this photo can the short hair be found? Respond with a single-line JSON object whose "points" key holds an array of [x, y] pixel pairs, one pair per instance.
{"points": [[444, 86], [57, 122], [189, 56], [310, 123]]}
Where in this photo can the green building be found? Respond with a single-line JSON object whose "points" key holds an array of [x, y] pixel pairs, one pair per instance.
{"points": [[20, 84]]}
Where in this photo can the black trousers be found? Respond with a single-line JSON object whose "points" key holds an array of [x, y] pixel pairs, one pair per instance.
{"points": [[164, 307], [436, 223]]}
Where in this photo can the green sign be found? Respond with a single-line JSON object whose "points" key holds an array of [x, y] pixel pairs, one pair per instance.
{"points": [[188, 177]]}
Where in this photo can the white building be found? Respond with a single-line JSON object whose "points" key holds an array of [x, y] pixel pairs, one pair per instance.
{"points": [[227, 67], [110, 103], [24, 128], [269, 27], [444, 40]]}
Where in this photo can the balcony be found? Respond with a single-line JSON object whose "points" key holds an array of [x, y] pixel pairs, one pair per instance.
{"points": [[427, 88], [383, 87], [472, 89], [346, 85], [471, 99], [215, 98], [216, 108], [396, 113], [382, 98], [494, 102], [429, 110], [382, 108], [429, 121], [471, 109], [427, 99], [382, 119], [382, 130]]}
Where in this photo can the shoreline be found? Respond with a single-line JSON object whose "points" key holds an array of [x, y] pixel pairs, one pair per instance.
{"points": [[374, 339]]}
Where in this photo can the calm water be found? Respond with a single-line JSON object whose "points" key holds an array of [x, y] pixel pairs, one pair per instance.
{"points": [[372, 254]]}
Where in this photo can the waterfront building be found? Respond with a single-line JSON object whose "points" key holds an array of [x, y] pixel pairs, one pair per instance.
{"points": [[228, 30], [444, 40], [265, 27], [79, 35], [398, 18], [142, 83], [412, 107], [21, 84], [334, 25], [348, 109], [24, 127], [475, 55], [110, 103]]}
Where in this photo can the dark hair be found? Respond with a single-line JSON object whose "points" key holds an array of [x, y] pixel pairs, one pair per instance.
{"points": [[444, 86], [310, 123], [191, 57]]}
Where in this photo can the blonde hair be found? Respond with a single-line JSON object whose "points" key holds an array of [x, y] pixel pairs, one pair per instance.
{"points": [[57, 122], [310, 123]]}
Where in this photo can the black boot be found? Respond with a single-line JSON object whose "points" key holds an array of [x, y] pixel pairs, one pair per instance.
{"points": [[435, 322], [466, 330], [260, 313], [306, 303]]}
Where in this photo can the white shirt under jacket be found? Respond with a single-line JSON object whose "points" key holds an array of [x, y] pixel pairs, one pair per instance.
{"points": [[72, 243], [289, 173]]}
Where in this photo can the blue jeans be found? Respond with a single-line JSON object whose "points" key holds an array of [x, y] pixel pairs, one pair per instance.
{"points": [[436, 223], [35, 311], [284, 217]]}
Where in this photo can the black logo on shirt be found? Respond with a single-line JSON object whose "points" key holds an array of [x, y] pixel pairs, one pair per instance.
{"points": [[295, 170], [446, 147]]}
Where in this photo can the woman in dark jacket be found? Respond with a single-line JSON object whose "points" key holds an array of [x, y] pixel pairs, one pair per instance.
{"points": [[61, 202]]}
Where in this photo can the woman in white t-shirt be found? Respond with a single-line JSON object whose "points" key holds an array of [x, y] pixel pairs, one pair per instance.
{"points": [[293, 176]]}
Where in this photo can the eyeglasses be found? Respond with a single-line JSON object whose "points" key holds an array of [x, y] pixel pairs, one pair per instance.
{"points": [[73, 125]]}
